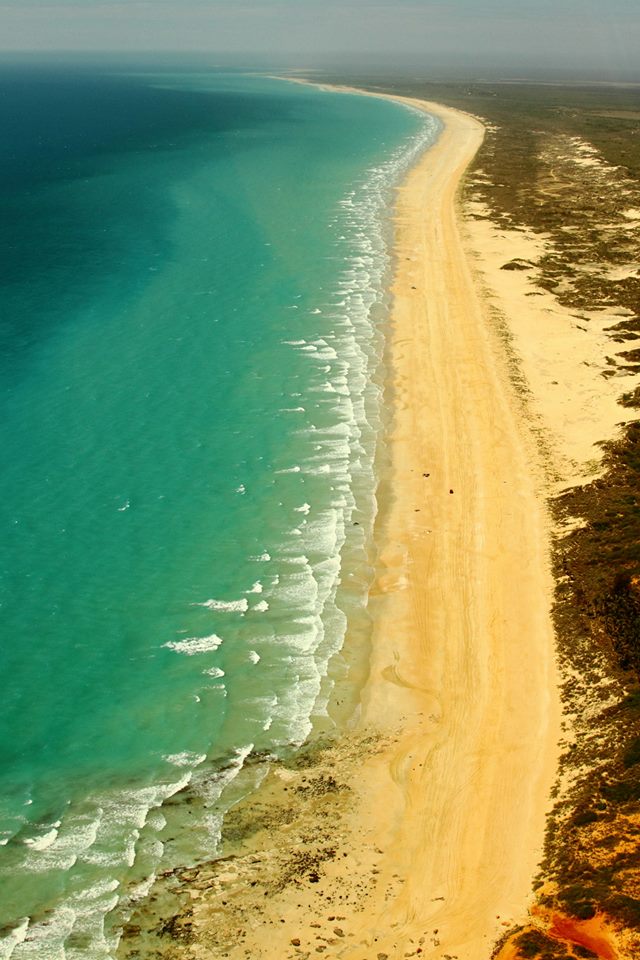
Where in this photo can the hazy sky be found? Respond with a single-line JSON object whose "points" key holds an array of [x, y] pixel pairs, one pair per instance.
{"points": [[599, 34]]}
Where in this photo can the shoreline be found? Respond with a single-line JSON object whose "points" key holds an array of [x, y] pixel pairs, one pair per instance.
{"points": [[403, 831], [409, 603]]}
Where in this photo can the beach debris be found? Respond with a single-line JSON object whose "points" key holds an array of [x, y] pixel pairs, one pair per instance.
{"points": [[295, 942]]}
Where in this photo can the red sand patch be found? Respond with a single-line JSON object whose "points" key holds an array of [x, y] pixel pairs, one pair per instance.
{"points": [[592, 934]]}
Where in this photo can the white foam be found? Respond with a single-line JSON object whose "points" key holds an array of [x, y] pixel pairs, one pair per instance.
{"points": [[341, 452], [102, 842], [97, 858], [156, 820], [241, 488], [299, 590], [225, 606], [18, 935], [97, 891], [254, 657], [195, 645], [261, 607], [45, 841], [211, 788], [263, 557], [187, 758], [295, 469], [64, 844], [215, 672], [141, 890], [256, 588]]}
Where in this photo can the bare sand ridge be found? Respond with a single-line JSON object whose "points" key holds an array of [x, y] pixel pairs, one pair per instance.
{"points": [[561, 352], [423, 827]]}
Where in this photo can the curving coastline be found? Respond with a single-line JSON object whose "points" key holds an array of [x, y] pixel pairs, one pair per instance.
{"points": [[399, 838]]}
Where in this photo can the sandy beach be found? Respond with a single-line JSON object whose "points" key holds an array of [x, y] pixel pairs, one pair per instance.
{"points": [[419, 832], [463, 657]]}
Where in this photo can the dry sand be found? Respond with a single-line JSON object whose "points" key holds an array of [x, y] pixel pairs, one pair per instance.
{"points": [[426, 840], [572, 398]]}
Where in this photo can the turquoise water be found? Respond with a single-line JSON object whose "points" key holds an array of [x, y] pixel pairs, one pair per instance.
{"points": [[192, 305]]}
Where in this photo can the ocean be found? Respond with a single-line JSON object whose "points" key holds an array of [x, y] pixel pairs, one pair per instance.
{"points": [[192, 320]]}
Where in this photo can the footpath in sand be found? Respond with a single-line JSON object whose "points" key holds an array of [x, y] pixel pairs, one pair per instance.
{"points": [[419, 833]]}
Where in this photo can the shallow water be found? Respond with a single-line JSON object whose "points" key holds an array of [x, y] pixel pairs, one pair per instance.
{"points": [[192, 311]]}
